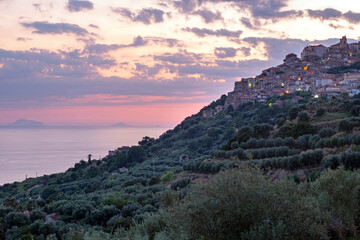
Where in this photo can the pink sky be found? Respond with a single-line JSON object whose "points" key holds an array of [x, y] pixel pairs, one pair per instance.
{"points": [[148, 62], [161, 114]]}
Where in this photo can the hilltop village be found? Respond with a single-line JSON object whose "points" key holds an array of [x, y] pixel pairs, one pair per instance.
{"points": [[316, 71]]}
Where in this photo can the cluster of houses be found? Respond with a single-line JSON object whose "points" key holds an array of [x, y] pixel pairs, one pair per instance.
{"points": [[308, 73]]}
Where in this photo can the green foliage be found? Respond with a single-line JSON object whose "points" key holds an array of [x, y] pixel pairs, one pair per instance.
{"points": [[266, 231], [262, 130], [48, 192], [181, 183], [16, 219], [119, 203], [320, 112], [293, 112], [235, 202], [167, 177], [296, 130], [36, 215], [346, 125], [93, 172], [136, 154], [342, 187], [154, 180], [326, 132], [303, 117]]}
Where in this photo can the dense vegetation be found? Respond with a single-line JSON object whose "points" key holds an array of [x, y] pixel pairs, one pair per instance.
{"points": [[255, 172]]}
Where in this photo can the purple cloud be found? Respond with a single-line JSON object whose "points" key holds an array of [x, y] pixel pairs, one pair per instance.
{"points": [[56, 28], [77, 5], [225, 52], [202, 32], [209, 16], [328, 13], [145, 16], [104, 48]]}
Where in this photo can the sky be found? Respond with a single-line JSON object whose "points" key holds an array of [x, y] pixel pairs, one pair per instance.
{"points": [[148, 62]]}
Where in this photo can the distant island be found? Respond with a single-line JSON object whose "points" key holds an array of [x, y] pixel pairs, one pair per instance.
{"points": [[120, 124], [26, 123]]}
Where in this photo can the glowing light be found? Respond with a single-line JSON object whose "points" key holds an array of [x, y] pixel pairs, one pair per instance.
{"points": [[270, 104], [299, 78], [287, 91], [316, 96], [282, 84], [261, 79], [305, 68], [350, 54], [299, 89], [249, 84]]}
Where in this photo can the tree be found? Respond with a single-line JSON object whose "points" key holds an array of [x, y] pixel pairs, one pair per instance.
{"points": [[346, 125], [145, 140], [293, 112], [136, 154], [303, 117], [320, 112], [89, 158], [37, 215], [16, 219]]}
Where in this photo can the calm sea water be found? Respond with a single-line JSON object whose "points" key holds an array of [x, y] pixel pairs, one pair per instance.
{"points": [[37, 151]]}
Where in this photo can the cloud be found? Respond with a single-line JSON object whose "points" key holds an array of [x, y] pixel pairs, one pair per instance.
{"points": [[94, 26], [168, 42], [137, 42], [326, 14], [225, 52], [186, 6], [104, 48], [260, 9], [77, 5], [177, 58], [333, 14], [202, 32], [352, 17], [146, 16], [277, 49], [209, 16], [23, 39], [56, 28]]}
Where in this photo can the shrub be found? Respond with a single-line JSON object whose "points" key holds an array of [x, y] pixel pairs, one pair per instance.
{"points": [[235, 202], [167, 177], [130, 208], [16, 219], [320, 112], [119, 203], [293, 112], [154, 180], [235, 145], [346, 125], [179, 184], [37, 215], [303, 117], [296, 130], [326, 132]]}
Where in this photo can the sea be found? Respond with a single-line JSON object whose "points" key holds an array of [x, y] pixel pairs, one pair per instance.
{"points": [[33, 152]]}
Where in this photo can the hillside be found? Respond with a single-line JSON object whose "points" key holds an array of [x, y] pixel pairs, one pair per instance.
{"points": [[240, 174]]}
